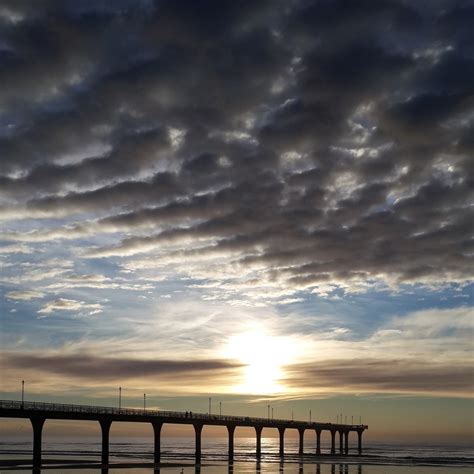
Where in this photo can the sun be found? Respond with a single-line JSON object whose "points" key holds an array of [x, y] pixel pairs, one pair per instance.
{"points": [[263, 357]]}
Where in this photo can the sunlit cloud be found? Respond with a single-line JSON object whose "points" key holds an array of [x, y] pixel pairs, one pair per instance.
{"points": [[64, 304], [15, 249], [24, 295]]}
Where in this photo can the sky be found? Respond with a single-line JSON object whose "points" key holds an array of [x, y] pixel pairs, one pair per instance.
{"points": [[261, 202]]}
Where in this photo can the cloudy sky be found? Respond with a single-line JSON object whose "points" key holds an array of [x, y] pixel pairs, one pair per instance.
{"points": [[262, 202]]}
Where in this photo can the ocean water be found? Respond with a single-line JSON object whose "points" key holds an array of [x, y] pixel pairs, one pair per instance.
{"points": [[136, 456]]}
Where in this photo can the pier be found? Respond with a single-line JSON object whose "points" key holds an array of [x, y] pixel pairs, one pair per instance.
{"points": [[38, 413]]}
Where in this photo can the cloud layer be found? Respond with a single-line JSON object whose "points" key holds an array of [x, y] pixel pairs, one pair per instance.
{"points": [[310, 146], [391, 376], [100, 368]]}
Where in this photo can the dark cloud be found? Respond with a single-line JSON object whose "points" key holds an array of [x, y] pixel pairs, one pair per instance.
{"points": [[100, 368], [375, 375], [123, 195], [315, 141], [135, 153]]}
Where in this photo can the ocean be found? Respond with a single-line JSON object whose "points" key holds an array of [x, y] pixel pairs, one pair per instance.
{"points": [[135, 456]]}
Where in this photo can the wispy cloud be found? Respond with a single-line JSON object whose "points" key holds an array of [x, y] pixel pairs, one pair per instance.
{"points": [[24, 295], [17, 248], [64, 304]]}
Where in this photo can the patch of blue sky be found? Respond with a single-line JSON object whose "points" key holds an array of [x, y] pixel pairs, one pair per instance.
{"points": [[364, 313]]}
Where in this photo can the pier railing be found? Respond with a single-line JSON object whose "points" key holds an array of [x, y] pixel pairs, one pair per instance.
{"points": [[101, 410]]}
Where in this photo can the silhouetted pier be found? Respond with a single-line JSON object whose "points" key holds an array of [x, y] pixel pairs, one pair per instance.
{"points": [[39, 412]]}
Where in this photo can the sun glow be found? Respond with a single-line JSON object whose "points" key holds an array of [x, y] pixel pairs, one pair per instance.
{"points": [[264, 357]]}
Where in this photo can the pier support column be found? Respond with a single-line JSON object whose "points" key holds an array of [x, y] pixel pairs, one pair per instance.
{"points": [[282, 441], [230, 430], [341, 442], [359, 441], [258, 433], [198, 431], [301, 448], [318, 442], [333, 442], [37, 423], [105, 428], [346, 442], [157, 435]]}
